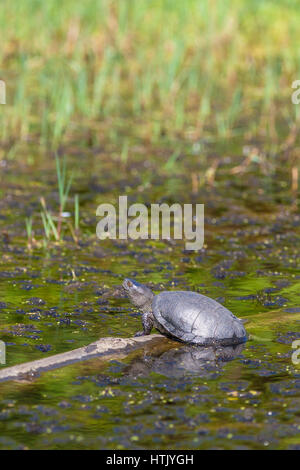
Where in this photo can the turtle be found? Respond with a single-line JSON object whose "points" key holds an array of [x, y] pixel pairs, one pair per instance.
{"points": [[185, 316]]}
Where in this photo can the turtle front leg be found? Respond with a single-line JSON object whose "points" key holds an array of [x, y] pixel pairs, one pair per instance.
{"points": [[147, 321]]}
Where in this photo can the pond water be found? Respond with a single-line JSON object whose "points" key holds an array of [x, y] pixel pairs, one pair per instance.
{"points": [[167, 396]]}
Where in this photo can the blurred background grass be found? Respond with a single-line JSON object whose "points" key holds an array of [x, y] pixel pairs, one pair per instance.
{"points": [[213, 68]]}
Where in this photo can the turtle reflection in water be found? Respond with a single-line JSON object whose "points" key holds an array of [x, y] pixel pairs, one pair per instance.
{"points": [[185, 360], [185, 316]]}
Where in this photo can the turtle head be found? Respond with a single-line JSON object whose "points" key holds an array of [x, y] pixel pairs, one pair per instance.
{"points": [[140, 295]]}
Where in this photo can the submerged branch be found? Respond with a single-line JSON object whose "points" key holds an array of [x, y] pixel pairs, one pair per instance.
{"points": [[104, 347]]}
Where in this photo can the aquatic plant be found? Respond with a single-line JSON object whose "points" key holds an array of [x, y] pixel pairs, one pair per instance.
{"points": [[64, 186], [53, 224], [29, 231], [208, 72]]}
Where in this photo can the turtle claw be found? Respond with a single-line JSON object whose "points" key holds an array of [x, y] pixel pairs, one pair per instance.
{"points": [[139, 333]]}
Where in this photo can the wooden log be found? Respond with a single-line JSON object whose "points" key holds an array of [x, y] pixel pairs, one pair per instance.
{"points": [[104, 347]]}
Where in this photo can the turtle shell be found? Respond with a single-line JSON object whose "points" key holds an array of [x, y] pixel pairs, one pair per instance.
{"points": [[197, 319]]}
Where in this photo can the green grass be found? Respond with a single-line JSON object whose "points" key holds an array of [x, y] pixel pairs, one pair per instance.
{"points": [[209, 67], [29, 231], [53, 222]]}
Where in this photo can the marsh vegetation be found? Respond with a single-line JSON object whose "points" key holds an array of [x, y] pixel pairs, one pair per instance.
{"points": [[174, 102]]}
